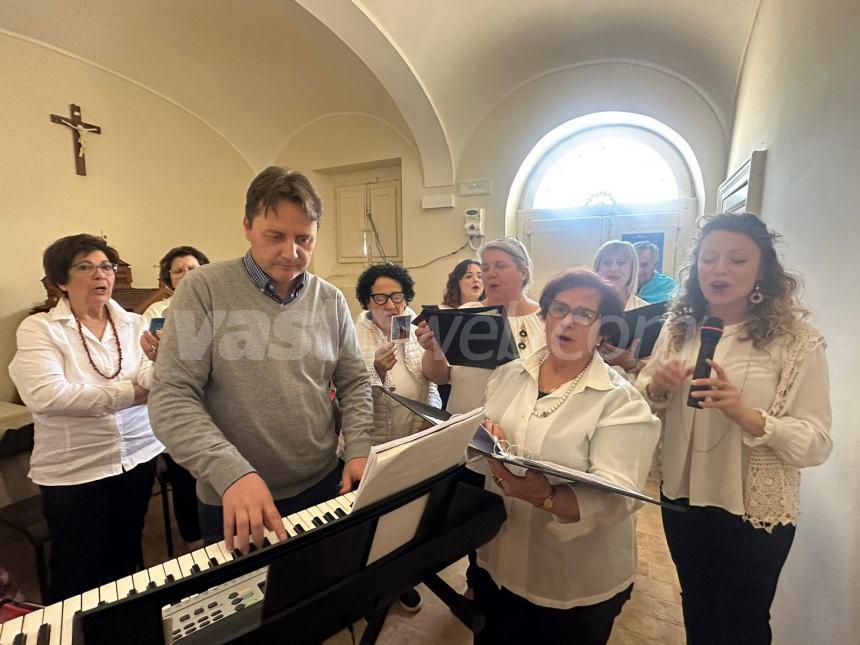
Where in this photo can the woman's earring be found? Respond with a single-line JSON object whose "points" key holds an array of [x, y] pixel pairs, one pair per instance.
{"points": [[756, 297]]}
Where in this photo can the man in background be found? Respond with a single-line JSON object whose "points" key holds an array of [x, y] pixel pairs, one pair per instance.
{"points": [[653, 285]]}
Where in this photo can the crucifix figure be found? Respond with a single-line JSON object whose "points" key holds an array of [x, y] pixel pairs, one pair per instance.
{"points": [[79, 132]]}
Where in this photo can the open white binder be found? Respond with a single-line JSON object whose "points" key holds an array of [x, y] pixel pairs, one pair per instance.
{"points": [[484, 445], [397, 465]]}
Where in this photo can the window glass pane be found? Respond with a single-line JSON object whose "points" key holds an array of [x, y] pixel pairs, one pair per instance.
{"points": [[604, 171]]}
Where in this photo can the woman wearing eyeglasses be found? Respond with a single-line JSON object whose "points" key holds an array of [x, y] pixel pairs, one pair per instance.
{"points": [[80, 370], [563, 564], [384, 291], [506, 270]]}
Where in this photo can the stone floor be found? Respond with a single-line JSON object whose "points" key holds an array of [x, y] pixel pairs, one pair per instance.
{"points": [[651, 617]]}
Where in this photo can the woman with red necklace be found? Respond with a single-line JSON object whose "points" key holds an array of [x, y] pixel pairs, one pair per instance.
{"points": [[81, 372]]}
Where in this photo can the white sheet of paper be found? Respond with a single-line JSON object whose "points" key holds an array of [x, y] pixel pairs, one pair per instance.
{"points": [[395, 466]]}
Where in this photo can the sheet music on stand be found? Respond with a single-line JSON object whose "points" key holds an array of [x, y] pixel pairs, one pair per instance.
{"points": [[397, 465], [483, 444]]}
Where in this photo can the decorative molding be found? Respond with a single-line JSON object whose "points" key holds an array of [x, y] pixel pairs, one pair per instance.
{"points": [[743, 190]]}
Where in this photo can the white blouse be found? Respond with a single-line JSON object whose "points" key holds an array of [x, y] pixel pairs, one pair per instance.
{"points": [[86, 427], [468, 384], [156, 309], [606, 428], [390, 419], [704, 454]]}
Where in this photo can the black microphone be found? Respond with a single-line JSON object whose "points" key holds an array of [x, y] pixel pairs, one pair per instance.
{"points": [[712, 331]]}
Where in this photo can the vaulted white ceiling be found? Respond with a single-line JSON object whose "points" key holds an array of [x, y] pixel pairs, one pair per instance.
{"points": [[258, 70]]}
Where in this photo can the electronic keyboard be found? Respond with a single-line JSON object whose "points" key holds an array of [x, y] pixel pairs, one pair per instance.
{"points": [[308, 587]]}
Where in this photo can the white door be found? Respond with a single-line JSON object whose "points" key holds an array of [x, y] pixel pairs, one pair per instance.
{"points": [[557, 244], [351, 213], [562, 238]]}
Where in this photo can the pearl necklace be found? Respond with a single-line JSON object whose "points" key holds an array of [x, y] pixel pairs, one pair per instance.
{"points": [[567, 392]]}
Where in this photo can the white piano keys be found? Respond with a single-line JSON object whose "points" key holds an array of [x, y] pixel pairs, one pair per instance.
{"points": [[222, 546], [329, 507], [185, 564], [318, 513], [123, 586], [171, 568], [139, 580], [306, 521], [343, 504], [32, 622], [89, 599], [107, 593], [11, 628], [200, 559], [294, 521], [214, 551], [156, 575], [271, 536], [60, 616], [53, 617], [70, 607], [333, 508]]}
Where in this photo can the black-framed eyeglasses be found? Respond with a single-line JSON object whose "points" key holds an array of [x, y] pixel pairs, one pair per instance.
{"points": [[381, 298], [88, 268], [582, 316]]}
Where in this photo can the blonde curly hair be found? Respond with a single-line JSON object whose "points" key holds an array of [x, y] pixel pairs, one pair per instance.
{"points": [[774, 316]]}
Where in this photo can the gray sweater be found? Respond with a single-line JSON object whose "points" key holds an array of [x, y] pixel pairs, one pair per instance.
{"points": [[242, 383]]}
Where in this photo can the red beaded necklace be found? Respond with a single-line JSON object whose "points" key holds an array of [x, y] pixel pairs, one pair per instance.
{"points": [[87, 348]]}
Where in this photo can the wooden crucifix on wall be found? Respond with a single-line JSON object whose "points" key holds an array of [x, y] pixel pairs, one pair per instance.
{"points": [[80, 130]]}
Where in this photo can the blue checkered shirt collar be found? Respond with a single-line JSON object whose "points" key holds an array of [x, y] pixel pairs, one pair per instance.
{"points": [[265, 284]]}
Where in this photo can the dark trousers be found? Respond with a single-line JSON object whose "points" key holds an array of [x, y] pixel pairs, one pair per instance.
{"points": [[183, 489], [728, 572], [95, 530], [513, 619], [212, 517]]}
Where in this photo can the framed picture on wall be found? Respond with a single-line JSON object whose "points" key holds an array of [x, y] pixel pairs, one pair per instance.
{"points": [[743, 190]]}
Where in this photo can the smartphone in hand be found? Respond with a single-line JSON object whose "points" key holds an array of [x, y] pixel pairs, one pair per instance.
{"points": [[155, 325]]}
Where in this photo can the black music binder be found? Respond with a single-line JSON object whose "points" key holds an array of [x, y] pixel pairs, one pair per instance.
{"points": [[474, 337], [643, 323]]}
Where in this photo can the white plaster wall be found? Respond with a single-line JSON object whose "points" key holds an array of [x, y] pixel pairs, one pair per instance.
{"points": [[157, 177], [347, 139], [798, 99], [515, 126]]}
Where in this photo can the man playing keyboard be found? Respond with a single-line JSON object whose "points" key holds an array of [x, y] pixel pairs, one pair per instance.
{"points": [[241, 389]]}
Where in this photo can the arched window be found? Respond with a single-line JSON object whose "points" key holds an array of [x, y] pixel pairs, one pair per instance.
{"points": [[608, 165], [604, 176]]}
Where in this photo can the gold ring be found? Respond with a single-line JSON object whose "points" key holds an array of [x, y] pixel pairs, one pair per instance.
{"points": [[498, 481]]}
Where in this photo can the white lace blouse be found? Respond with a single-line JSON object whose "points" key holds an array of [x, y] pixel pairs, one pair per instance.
{"points": [[705, 456]]}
